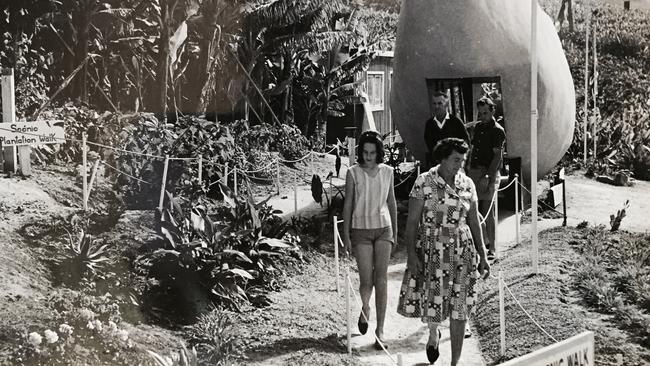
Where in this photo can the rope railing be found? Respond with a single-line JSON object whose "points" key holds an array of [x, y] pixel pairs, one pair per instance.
{"points": [[126, 174], [405, 179], [546, 205], [528, 314], [356, 298], [350, 288]]}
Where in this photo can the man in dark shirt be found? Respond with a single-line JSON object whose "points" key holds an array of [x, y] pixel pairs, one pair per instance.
{"points": [[484, 162], [441, 125]]}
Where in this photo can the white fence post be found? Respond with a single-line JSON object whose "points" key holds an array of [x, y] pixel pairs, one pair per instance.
{"points": [[164, 184], [92, 180], [277, 176], [200, 169], [496, 221], [517, 222], [295, 193], [502, 315], [348, 283], [336, 252]]}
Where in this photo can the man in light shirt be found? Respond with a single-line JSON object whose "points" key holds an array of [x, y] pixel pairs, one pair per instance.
{"points": [[441, 125]]}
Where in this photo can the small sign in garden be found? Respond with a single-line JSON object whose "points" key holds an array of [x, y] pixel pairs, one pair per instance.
{"points": [[575, 351], [31, 133]]}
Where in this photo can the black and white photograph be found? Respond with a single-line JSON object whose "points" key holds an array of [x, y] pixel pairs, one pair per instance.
{"points": [[325, 182]]}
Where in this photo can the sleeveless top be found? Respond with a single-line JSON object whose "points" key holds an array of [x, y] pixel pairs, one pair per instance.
{"points": [[370, 209]]}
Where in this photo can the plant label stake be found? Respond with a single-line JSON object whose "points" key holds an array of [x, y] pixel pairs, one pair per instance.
{"points": [[84, 173], [225, 175], [163, 185]]}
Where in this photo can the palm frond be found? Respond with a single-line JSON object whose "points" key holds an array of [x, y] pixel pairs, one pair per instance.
{"points": [[314, 42], [281, 13]]}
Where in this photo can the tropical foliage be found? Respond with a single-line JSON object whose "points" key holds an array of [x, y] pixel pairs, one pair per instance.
{"points": [[227, 58], [622, 136]]}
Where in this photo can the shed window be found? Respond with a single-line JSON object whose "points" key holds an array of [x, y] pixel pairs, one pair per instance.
{"points": [[375, 87]]}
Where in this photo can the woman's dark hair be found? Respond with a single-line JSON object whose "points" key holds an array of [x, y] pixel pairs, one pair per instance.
{"points": [[445, 147], [371, 137]]}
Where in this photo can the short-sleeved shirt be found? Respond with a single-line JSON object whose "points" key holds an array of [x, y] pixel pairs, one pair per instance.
{"points": [[487, 136], [370, 210]]}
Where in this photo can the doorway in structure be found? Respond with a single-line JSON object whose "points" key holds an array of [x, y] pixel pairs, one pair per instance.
{"points": [[463, 94]]}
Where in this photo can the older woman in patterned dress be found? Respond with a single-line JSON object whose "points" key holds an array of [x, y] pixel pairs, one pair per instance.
{"points": [[445, 248]]}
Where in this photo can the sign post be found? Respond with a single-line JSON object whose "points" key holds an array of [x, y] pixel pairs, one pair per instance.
{"points": [[8, 115], [20, 135]]}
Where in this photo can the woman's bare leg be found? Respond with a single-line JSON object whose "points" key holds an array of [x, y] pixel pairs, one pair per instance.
{"points": [[365, 258], [382, 256]]}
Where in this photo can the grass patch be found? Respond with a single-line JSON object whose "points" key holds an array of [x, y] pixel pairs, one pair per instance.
{"points": [[590, 279]]}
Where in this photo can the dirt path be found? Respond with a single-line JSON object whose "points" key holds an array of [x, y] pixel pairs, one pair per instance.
{"points": [[406, 336], [586, 200]]}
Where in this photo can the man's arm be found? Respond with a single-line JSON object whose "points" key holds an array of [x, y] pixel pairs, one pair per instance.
{"points": [[497, 149], [428, 135]]}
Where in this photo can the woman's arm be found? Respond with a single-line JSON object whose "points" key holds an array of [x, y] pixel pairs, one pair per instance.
{"points": [[392, 206], [347, 209], [477, 234], [415, 214]]}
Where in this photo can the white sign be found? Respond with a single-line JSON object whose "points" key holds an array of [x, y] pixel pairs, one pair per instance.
{"points": [[557, 194], [31, 133], [575, 351]]}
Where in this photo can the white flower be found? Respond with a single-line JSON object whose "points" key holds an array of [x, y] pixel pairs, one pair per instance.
{"points": [[90, 325], [51, 336], [34, 339], [86, 314], [123, 335], [65, 329], [112, 327], [98, 325]]}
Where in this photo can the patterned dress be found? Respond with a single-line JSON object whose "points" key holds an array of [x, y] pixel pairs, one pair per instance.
{"points": [[444, 286]]}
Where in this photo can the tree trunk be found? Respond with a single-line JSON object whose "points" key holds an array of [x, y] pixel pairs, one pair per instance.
{"points": [[163, 57], [82, 25]]}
